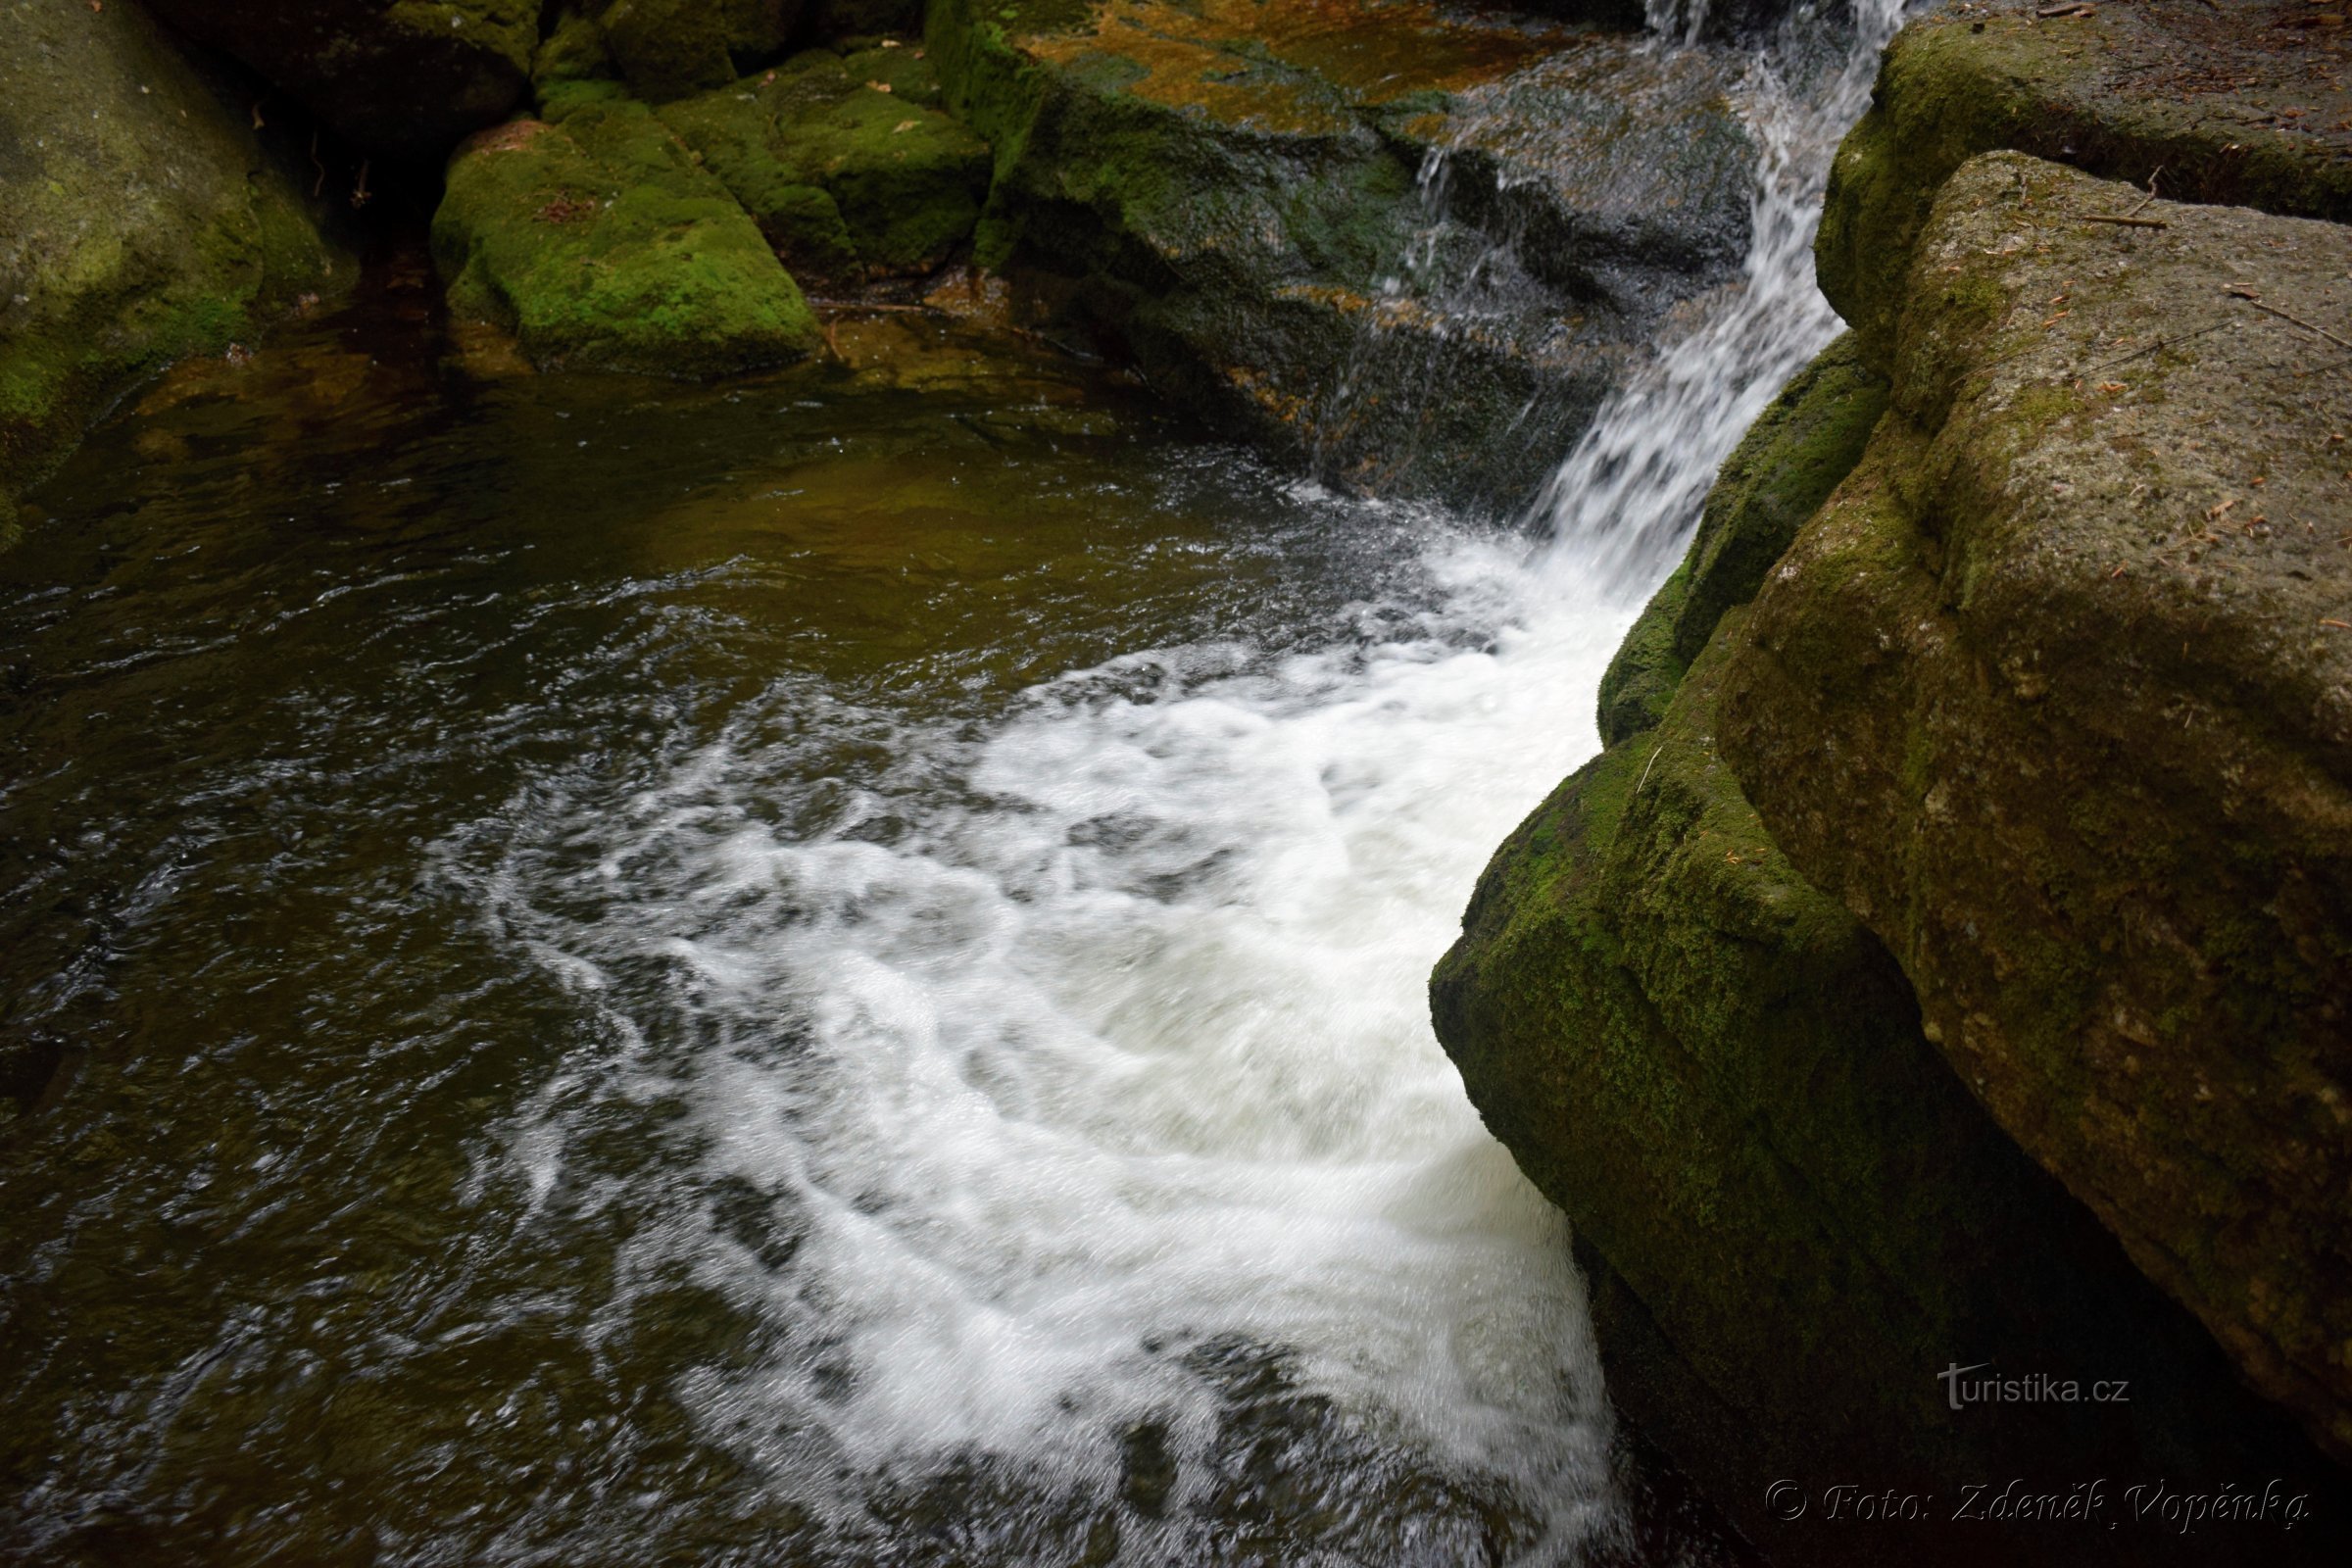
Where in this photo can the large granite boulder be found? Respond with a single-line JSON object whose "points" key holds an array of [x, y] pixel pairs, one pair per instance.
{"points": [[400, 77], [139, 223], [599, 240], [2229, 101], [2055, 696], [1792, 1213], [1298, 216]]}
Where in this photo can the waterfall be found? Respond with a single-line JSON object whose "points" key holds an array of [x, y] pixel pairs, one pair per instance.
{"points": [[1064, 1091]]}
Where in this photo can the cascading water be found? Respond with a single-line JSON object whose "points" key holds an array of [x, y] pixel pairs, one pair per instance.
{"points": [[1058, 1096]]}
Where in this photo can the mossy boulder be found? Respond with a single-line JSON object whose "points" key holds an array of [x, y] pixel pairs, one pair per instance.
{"points": [[672, 48], [1232, 194], [2055, 695], [1795, 1215], [1784, 468], [139, 223], [847, 163], [403, 78], [602, 245], [2241, 101]]}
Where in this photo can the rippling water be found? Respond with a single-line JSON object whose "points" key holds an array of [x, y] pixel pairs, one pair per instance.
{"points": [[829, 970]]}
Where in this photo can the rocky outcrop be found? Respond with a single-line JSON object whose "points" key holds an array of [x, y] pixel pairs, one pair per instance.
{"points": [[1792, 1213], [1244, 198], [602, 244], [2241, 101], [399, 78], [2056, 695], [139, 223]]}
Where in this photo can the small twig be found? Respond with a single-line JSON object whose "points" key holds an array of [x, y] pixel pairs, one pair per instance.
{"points": [[1646, 766], [315, 164], [2075, 9], [2273, 310], [2126, 218], [2157, 347]]}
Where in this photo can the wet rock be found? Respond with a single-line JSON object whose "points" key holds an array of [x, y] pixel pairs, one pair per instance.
{"points": [[1784, 468], [601, 244], [2226, 101], [2055, 696], [1244, 198], [405, 78], [139, 223], [848, 164]]}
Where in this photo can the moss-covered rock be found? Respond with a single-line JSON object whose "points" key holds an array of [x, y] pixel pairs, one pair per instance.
{"points": [[601, 244], [671, 48], [848, 164], [2055, 694], [1784, 468], [405, 78], [1801, 1215], [1232, 193], [2223, 101], [139, 223]]}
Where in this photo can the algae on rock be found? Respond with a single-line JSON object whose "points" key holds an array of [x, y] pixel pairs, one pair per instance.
{"points": [[602, 245], [1232, 193], [2055, 694], [141, 223]]}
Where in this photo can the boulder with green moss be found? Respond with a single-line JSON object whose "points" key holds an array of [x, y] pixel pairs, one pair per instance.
{"points": [[1787, 462], [1247, 199], [2241, 102], [672, 48], [2055, 695], [849, 164], [403, 78], [602, 244], [139, 223]]}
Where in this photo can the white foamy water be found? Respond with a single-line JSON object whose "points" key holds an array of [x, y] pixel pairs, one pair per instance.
{"points": [[1105, 1061]]}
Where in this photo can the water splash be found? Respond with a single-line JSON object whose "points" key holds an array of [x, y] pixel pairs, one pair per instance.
{"points": [[1062, 1090], [1623, 505]]}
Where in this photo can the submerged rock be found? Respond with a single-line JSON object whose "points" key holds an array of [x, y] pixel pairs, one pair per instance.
{"points": [[405, 78], [848, 164], [139, 223], [2226, 101], [1251, 200], [2055, 695], [602, 245]]}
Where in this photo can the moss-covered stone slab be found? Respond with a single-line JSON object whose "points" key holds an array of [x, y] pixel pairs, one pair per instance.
{"points": [[849, 164], [1810, 437], [601, 244], [405, 78], [2055, 695], [1243, 198], [139, 223], [2242, 102]]}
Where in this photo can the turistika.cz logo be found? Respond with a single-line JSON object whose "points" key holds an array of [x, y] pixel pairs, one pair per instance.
{"points": [[2031, 1388]]}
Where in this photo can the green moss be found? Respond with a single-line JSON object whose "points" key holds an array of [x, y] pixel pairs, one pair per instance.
{"points": [[673, 48], [1782, 470], [122, 260], [847, 163], [602, 244]]}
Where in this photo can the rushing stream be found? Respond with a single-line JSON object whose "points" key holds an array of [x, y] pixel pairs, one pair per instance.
{"points": [[824, 970]]}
